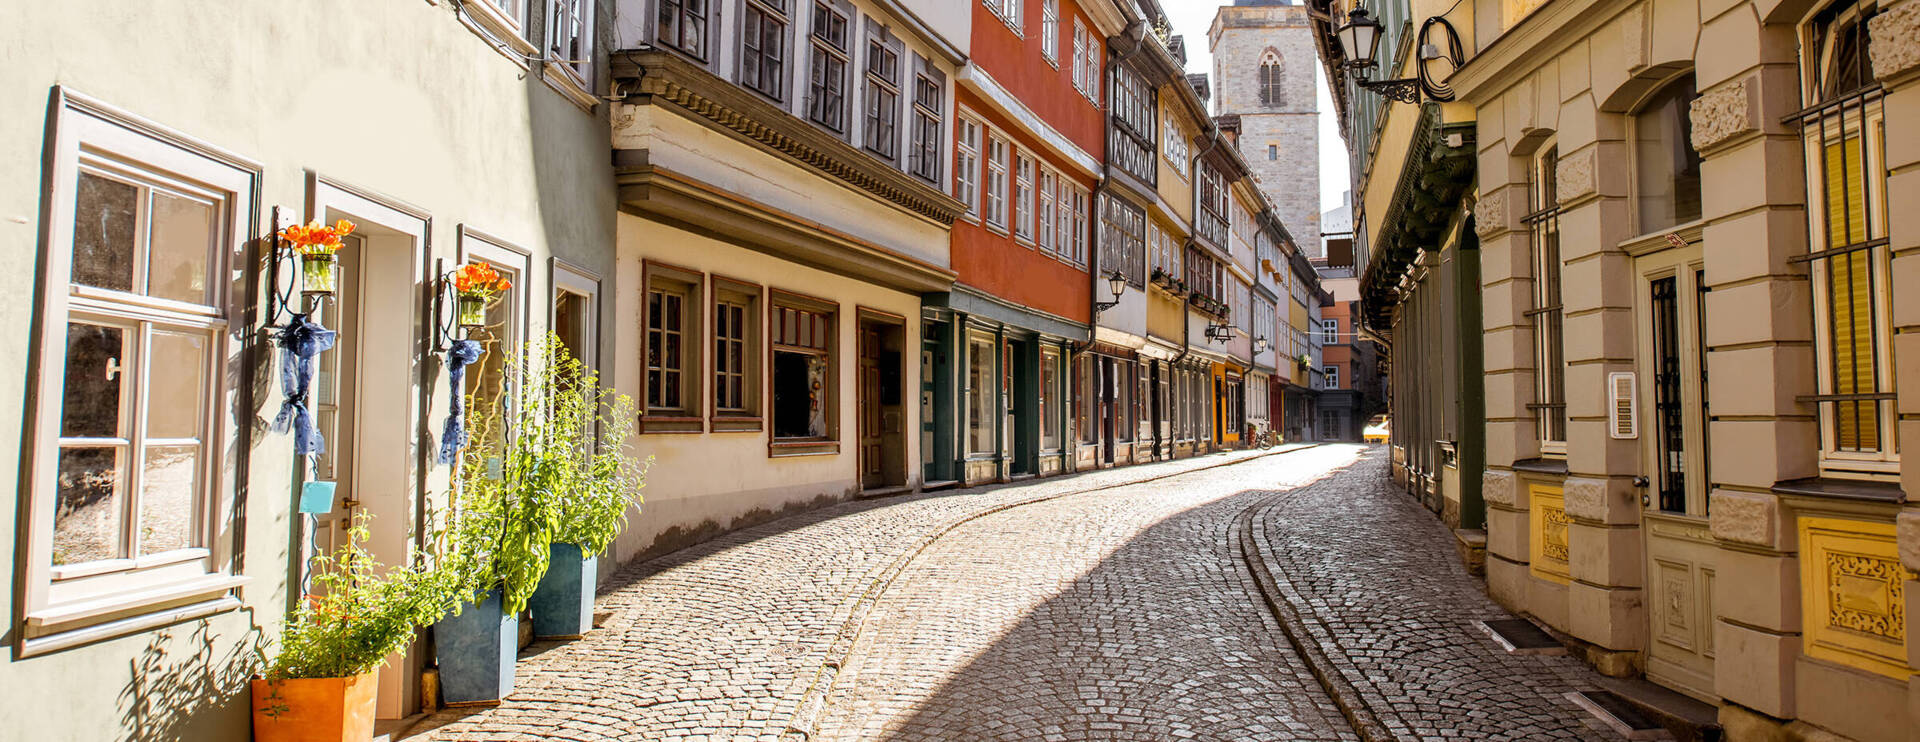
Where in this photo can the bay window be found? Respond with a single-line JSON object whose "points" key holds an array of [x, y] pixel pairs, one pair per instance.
{"points": [[763, 47], [827, 79], [882, 125], [929, 91], [682, 24]]}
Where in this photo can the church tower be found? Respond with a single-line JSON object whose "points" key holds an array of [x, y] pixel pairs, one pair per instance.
{"points": [[1263, 63]]}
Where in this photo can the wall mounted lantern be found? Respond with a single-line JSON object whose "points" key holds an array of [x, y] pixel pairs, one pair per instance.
{"points": [[1260, 344], [1116, 283], [1359, 41], [1219, 332]]}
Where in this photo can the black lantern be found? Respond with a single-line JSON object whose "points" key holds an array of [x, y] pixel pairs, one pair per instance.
{"points": [[1359, 39], [1260, 344], [1117, 283]]}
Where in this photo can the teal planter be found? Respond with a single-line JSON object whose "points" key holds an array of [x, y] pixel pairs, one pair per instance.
{"points": [[476, 651], [563, 602]]}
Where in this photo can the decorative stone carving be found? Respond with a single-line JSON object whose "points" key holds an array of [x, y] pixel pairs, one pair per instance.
{"points": [[1586, 498], [1497, 487], [1573, 176], [1744, 518], [1909, 539], [1895, 40], [1725, 112], [1863, 594], [1490, 216]]}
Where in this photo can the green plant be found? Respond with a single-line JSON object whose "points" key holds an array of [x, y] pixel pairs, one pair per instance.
{"points": [[601, 478], [358, 613]]}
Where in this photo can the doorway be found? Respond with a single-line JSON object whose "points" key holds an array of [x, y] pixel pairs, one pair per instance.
{"points": [[883, 459], [1024, 408], [1681, 555]]}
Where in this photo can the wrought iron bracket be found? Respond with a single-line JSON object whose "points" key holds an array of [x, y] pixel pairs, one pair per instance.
{"points": [[1405, 89]]}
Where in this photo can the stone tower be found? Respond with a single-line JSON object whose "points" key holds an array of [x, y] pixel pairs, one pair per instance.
{"points": [[1263, 63]]}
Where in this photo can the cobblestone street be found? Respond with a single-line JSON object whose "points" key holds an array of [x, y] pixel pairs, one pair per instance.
{"points": [[1114, 605]]}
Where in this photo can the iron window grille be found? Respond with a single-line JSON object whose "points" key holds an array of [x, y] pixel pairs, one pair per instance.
{"points": [[1543, 226]]}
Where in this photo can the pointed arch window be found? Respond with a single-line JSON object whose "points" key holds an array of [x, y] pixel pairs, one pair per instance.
{"points": [[1272, 73]]}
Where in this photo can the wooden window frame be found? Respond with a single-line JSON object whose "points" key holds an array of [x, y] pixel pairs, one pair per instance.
{"points": [[829, 444], [770, 11], [880, 124], [705, 34], [1549, 338], [750, 417], [822, 49], [691, 284], [116, 597], [927, 121]]}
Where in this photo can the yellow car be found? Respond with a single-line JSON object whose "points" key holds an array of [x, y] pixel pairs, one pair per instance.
{"points": [[1377, 431]]}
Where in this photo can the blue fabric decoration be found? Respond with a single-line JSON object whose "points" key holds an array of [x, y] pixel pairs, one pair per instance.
{"points": [[300, 341], [463, 353]]}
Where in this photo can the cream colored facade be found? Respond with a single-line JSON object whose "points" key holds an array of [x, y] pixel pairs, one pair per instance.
{"points": [[1724, 507], [369, 111]]}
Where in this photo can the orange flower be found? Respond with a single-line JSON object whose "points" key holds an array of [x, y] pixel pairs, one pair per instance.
{"points": [[342, 228], [479, 279]]}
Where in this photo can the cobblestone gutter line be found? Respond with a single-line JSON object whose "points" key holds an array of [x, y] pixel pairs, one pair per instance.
{"points": [[1281, 598], [813, 700]]}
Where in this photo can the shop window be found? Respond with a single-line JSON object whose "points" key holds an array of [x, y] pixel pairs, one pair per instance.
{"points": [[1844, 135], [1666, 167], [1051, 393], [736, 355], [827, 76], [803, 381], [763, 47], [128, 503], [983, 395], [674, 298]]}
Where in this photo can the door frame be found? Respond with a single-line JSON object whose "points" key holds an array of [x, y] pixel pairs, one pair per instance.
{"points": [[888, 322]]}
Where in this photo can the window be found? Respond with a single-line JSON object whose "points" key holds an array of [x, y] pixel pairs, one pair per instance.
{"points": [[1213, 205], [923, 159], [1130, 139], [1163, 253], [1332, 374], [1050, 31], [1329, 332], [1050, 398], [1175, 146], [1023, 197], [1123, 247], [570, 37], [763, 47], [1844, 135], [1087, 398], [996, 181], [1009, 12], [673, 349], [736, 355], [983, 395], [1550, 403], [827, 84], [1078, 227], [1122, 400], [966, 164], [1273, 151], [128, 491], [1666, 167], [1272, 80], [802, 378], [1086, 63], [1049, 184], [489, 381], [883, 95], [682, 24]]}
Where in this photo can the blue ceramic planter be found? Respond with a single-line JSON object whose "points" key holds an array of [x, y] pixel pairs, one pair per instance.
{"points": [[563, 602], [476, 651]]}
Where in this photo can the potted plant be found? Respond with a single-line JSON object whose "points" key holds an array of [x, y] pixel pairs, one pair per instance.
{"points": [[319, 249], [476, 285], [597, 483], [498, 537], [320, 683]]}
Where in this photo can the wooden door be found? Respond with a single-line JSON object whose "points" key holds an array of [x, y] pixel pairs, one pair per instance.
{"points": [[1681, 552], [872, 453]]}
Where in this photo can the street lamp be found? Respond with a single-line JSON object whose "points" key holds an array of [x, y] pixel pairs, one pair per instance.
{"points": [[1359, 40], [1260, 344], [1117, 283]]}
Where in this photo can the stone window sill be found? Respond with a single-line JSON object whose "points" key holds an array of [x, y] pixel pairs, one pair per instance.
{"points": [[1542, 466], [1842, 489]]}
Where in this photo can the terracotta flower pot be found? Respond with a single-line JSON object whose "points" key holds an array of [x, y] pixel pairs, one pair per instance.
{"points": [[314, 709]]}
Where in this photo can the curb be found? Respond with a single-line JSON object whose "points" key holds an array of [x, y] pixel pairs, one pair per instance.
{"points": [[813, 703], [1280, 599]]}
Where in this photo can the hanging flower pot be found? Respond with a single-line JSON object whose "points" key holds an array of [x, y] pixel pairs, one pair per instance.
{"points": [[319, 249], [473, 310], [475, 286]]}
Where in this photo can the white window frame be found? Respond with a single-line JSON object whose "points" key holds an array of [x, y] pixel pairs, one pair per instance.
{"points": [[1332, 376], [1330, 332], [1023, 196], [77, 604], [1009, 13], [966, 163], [579, 70], [1081, 198], [996, 181], [1047, 214], [1174, 146], [1050, 31], [1086, 63]]}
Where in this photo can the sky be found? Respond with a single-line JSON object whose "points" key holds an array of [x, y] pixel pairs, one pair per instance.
{"points": [[1191, 18]]}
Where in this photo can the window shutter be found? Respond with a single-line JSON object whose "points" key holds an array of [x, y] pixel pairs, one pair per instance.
{"points": [[1624, 415]]}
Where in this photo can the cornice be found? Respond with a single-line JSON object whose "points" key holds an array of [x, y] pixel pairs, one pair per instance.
{"points": [[663, 77]]}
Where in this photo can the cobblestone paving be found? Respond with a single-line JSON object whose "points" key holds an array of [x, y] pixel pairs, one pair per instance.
{"points": [[731, 640], [1380, 591], [1124, 614]]}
